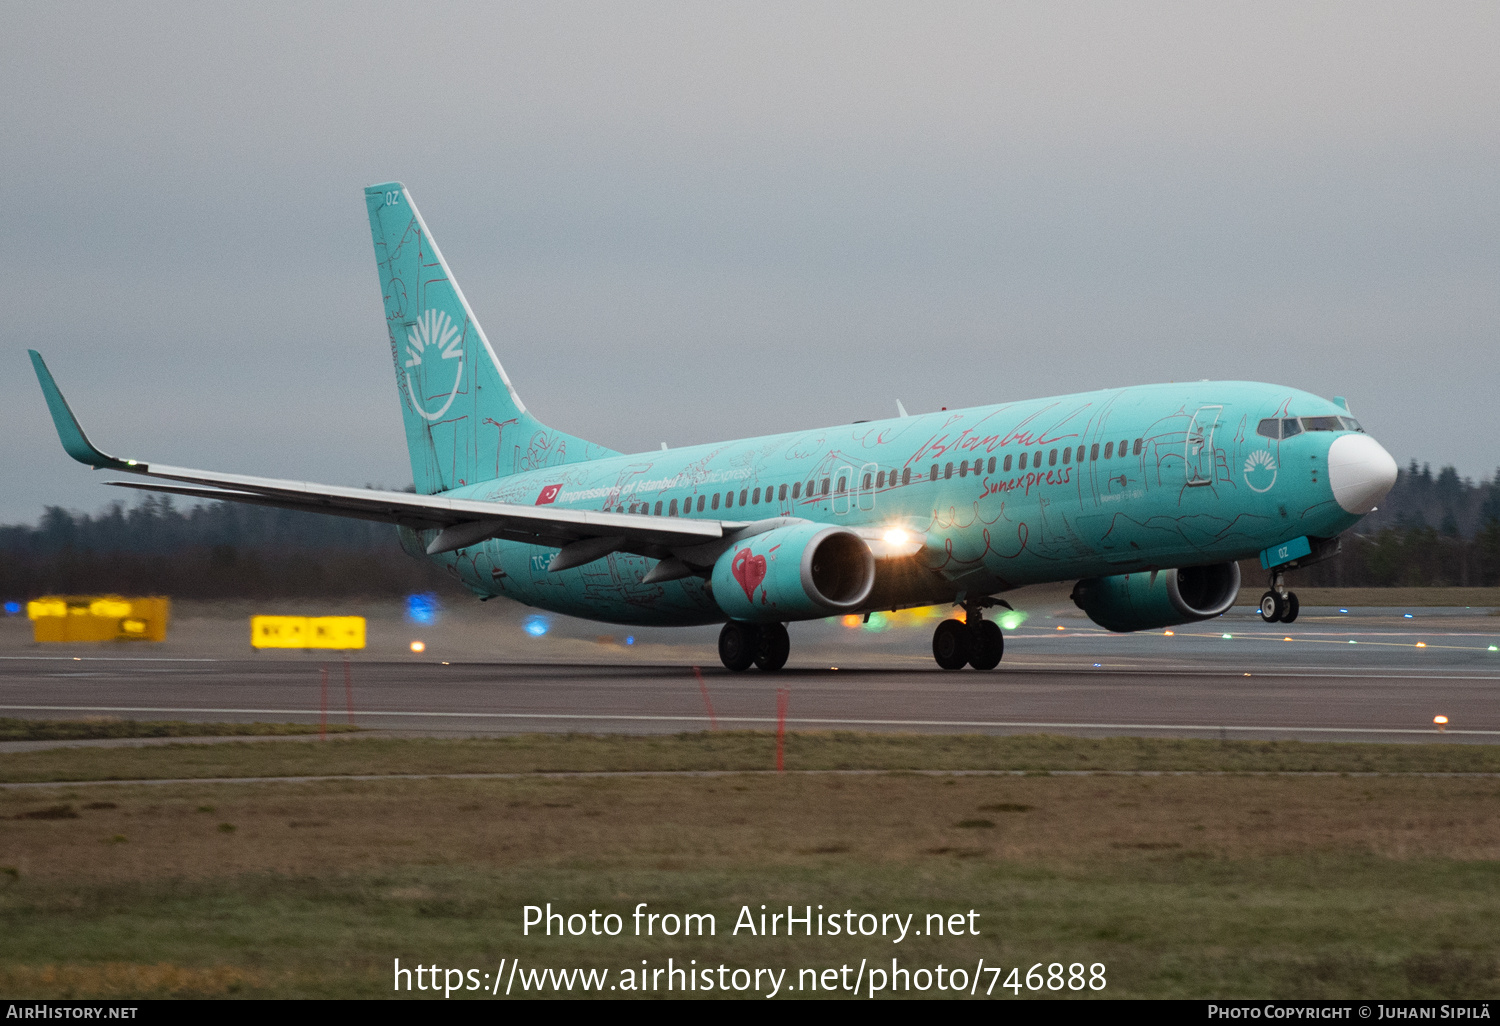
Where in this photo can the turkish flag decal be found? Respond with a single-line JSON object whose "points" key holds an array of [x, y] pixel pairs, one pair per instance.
{"points": [[549, 495]]}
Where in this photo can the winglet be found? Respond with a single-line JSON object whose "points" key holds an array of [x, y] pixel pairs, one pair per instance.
{"points": [[73, 439]]}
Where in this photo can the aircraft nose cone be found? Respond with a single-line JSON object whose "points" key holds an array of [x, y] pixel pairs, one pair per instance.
{"points": [[1360, 472]]}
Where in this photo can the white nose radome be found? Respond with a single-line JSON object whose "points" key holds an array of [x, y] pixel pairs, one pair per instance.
{"points": [[1360, 472]]}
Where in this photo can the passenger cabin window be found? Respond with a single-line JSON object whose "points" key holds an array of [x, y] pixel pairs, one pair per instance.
{"points": [[744, 495], [755, 496], [992, 465], [906, 476], [1136, 449], [947, 471], [1023, 460], [1052, 458], [879, 480], [843, 484], [1124, 445], [963, 470], [658, 507], [672, 509], [979, 465], [1269, 428], [796, 490], [825, 486], [715, 503], [933, 476], [1080, 454], [1290, 426], [1067, 456], [1036, 458], [1007, 462], [700, 503], [1109, 449], [1094, 451], [866, 484], [783, 493]]}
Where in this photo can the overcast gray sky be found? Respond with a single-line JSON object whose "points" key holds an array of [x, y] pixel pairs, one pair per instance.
{"points": [[688, 222]]}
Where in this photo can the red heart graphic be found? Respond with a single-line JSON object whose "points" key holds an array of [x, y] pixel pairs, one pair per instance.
{"points": [[749, 571]]}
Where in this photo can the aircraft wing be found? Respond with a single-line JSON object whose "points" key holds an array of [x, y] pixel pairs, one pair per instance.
{"points": [[460, 522]]}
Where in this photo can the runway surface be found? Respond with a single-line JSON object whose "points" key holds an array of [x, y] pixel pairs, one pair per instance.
{"points": [[1368, 676]]}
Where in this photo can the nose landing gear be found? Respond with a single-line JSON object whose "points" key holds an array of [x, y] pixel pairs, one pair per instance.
{"points": [[1279, 605], [767, 645], [973, 641]]}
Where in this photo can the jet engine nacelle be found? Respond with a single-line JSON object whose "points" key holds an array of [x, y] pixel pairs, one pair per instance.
{"points": [[796, 572], [1166, 598]]}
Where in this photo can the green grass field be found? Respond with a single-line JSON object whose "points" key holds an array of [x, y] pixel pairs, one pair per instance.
{"points": [[1183, 886]]}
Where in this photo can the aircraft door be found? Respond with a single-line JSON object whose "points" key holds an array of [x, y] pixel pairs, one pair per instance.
{"points": [[866, 483], [1199, 456], [845, 485]]}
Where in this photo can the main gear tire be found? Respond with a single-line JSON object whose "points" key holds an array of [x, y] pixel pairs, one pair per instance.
{"points": [[774, 647], [986, 645], [738, 643], [950, 644]]}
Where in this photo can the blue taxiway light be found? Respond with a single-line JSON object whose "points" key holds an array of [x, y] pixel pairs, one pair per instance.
{"points": [[422, 607], [12, 608], [536, 626]]}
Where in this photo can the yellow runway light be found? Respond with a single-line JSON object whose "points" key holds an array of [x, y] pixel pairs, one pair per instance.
{"points": [[1441, 721], [419, 646]]}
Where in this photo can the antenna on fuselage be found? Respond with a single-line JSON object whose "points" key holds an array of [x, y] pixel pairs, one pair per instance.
{"points": [[901, 410]]}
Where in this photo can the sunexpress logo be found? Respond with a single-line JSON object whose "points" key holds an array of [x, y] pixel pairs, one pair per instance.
{"points": [[430, 341]]}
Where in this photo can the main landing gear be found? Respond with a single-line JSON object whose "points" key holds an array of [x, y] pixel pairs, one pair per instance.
{"points": [[972, 641], [767, 645], [1278, 605]]}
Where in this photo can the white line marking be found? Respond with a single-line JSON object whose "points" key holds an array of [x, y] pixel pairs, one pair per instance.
{"points": [[808, 720]]}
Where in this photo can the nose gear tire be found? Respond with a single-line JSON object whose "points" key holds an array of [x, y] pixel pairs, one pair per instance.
{"points": [[1271, 607]]}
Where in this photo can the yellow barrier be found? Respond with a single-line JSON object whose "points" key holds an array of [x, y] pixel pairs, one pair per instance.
{"points": [[340, 632], [99, 618]]}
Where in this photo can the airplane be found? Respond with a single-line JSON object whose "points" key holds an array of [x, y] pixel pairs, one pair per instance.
{"points": [[1146, 496]]}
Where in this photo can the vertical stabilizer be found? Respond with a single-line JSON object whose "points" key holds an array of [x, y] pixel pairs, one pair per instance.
{"points": [[464, 421]]}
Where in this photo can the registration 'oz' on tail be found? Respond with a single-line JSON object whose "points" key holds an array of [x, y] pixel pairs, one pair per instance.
{"points": [[464, 421]]}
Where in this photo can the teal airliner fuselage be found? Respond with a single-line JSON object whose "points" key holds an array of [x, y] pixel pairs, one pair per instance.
{"points": [[1146, 495]]}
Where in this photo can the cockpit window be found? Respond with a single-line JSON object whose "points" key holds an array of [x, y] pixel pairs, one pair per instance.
{"points": [[1322, 424], [1290, 426], [1269, 428], [1350, 424]]}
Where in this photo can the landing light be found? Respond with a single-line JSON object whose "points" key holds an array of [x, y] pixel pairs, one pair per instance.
{"points": [[895, 536]]}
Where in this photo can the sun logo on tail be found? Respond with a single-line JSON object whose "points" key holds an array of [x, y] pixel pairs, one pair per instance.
{"points": [[1260, 471], [433, 329], [433, 333]]}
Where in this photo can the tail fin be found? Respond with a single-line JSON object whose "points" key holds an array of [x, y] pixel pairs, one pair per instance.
{"points": [[464, 421]]}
